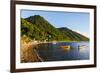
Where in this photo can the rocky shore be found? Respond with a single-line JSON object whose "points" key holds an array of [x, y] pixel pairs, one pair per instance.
{"points": [[29, 52]]}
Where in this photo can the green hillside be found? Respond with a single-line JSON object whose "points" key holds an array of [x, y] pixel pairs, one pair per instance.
{"points": [[38, 28], [74, 36]]}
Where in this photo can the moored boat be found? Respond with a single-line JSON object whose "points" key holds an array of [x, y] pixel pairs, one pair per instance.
{"points": [[82, 47], [67, 47]]}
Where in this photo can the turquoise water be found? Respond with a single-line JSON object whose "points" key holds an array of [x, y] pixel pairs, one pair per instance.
{"points": [[54, 51]]}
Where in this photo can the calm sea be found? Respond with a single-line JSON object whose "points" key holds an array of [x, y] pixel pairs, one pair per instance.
{"points": [[61, 52]]}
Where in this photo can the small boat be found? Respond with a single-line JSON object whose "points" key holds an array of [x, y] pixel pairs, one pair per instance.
{"points": [[65, 47], [82, 47]]}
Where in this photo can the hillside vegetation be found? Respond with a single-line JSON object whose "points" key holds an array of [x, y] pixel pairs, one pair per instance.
{"points": [[38, 28]]}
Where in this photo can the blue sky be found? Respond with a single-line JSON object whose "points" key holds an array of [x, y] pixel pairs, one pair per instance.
{"points": [[73, 20]]}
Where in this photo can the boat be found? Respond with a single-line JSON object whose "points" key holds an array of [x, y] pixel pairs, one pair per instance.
{"points": [[65, 47], [82, 47]]}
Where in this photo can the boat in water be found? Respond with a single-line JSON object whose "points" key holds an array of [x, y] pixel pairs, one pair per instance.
{"points": [[82, 47], [67, 47]]}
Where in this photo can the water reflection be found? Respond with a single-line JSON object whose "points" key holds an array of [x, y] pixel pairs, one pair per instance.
{"points": [[63, 51]]}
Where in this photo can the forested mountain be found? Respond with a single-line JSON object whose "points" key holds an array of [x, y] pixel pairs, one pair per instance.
{"points": [[38, 28], [73, 35]]}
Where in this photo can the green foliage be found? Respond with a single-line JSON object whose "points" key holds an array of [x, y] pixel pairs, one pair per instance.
{"points": [[36, 27], [74, 36]]}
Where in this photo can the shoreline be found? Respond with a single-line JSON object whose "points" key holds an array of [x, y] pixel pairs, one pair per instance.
{"points": [[29, 52], [40, 42]]}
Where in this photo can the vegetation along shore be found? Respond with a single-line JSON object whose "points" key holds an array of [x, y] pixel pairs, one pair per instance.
{"points": [[36, 30]]}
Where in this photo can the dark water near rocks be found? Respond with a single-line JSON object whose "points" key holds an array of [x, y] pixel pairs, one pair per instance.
{"points": [[54, 52]]}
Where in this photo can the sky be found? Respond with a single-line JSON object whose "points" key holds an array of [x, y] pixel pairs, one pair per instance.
{"points": [[76, 21]]}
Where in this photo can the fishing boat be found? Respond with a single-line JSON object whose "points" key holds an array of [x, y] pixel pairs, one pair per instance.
{"points": [[65, 47], [82, 47]]}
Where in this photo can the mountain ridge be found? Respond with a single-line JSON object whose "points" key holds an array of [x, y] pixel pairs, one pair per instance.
{"points": [[38, 28]]}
